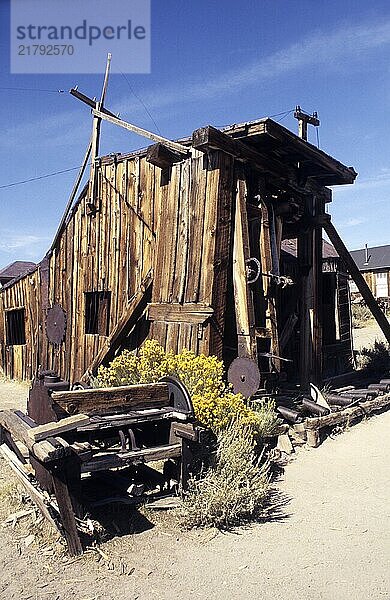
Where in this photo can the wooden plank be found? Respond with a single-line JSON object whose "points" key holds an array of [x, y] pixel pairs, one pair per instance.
{"points": [[163, 157], [44, 450], [102, 401], [131, 314], [167, 237], [36, 496], [180, 313], [182, 243], [42, 432], [175, 146], [67, 503], [269, 292], [111, 461], [358, 278], [210, 137], [198, 184], [243, 301]]}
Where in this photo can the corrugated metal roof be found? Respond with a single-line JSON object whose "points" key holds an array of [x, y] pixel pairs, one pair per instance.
{"points": [[378, 258]]}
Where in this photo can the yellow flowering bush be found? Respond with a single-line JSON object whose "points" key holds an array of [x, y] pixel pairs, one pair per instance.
{"points": [[214, 403]]}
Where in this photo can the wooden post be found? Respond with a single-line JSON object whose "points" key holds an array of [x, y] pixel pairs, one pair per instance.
{"points": [[245, 319], [96, 138], [318, 208], [267, 267], [358, 278], [305, 258], [66, 482]]}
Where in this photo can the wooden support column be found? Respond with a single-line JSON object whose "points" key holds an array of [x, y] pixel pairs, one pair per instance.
{"points": [[310, 260], [66, 482], [317, 324], [358, 278], [267, 267], [245, 319], [305, 258]]}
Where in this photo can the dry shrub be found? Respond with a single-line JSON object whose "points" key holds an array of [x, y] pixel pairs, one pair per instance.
{"points": [[214, 402], [376, 359], [361, 315], [268, 419], [232, 491]]}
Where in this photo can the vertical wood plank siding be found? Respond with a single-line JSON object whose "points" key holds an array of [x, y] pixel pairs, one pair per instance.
{"points": [[175, 223]]}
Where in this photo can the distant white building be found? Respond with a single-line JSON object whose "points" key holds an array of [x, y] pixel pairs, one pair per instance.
{"points": [[374, 264]]}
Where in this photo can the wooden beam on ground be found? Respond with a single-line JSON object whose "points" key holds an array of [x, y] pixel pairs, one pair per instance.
{"points": [[23, 477], [243, 301], [66, 478], [45, 451], [42, 432], [358, 278], [103, 401]]}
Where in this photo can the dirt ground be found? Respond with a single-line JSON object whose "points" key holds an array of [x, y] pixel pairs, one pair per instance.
{"points": [[331, 542], [366, 336]]}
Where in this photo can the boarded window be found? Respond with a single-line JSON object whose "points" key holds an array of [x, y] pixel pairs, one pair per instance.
{"points": [[97, 312], [15, 327]]}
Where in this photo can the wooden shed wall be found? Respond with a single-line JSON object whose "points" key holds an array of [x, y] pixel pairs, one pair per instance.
{"points": [[20, 361], [192, 255], [111, 250], [115, 249]]}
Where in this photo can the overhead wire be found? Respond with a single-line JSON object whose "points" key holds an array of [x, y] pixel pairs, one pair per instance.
{"points": [[17, 89], [141, 102], [8, 185]]}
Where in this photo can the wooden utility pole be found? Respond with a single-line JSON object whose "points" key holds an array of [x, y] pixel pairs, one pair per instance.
{"points": [[304, 120], [96, 138]]}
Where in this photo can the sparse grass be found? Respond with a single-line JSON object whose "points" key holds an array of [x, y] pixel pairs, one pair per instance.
{"points": [[13, 499], [361, 315], [234, 490]]}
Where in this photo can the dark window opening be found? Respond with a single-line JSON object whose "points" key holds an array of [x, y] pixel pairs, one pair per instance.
{"points": [[15, 327], [97, 312]]}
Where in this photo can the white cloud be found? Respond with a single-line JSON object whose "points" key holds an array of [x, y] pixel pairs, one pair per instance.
{"points": [[326, 49], [27, 245], [353, 222]]}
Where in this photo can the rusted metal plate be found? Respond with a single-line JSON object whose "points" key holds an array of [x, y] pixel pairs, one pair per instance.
{"points": [[179, 396], [56, 324], [244, 375]]}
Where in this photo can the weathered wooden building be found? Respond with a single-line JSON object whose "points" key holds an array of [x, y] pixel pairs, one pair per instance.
{"points": [[184, 247]]}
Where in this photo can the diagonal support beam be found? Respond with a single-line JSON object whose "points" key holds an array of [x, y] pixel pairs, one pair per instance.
{"points": [[175, 146], [358, 278]]}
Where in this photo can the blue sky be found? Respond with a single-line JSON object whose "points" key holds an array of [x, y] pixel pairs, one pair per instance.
{"points": [[218, 63]]}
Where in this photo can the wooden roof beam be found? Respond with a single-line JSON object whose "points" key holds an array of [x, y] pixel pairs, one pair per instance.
{"points": [[210, 137]]}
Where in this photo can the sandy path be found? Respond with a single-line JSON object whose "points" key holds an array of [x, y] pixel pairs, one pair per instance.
{"points": [[366, 336], [13, 395], [333, 544]]}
